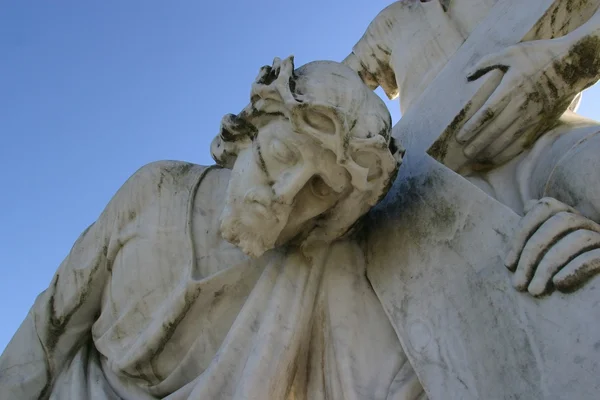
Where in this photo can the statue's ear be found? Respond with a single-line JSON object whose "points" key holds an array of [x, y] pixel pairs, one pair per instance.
{"points": [[370, 160], [377, 160]]}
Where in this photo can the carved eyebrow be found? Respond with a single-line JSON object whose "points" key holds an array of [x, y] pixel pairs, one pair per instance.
{"points": [[259, 118]]}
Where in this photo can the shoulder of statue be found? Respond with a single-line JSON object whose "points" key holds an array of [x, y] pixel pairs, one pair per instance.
{"points": [[160, 173], [163, 184], [162, 178]]}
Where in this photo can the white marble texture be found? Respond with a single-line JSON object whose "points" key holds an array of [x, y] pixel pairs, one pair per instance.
{"points": [[474, 278], [438, 245], [152, 302]]}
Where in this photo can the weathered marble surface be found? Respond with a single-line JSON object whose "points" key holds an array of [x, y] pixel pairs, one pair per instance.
{"points": [[244, 281], [438, 268], [437, 244], [152, 302]]}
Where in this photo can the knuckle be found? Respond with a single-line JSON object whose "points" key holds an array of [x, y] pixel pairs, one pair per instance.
{"points": [[548, 201], [564, 215]]}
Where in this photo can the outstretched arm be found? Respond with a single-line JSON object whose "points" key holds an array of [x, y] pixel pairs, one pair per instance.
{"points": [[62, 316]]}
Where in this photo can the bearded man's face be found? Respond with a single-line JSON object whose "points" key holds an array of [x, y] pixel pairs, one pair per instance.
{"points": [[280, 186]]}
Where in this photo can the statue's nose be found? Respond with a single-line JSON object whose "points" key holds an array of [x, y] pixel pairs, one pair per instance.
{"points": [[289, 185]]}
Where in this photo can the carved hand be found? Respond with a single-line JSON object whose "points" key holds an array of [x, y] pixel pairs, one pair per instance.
{"points": [[537, 82], [554, 246]]}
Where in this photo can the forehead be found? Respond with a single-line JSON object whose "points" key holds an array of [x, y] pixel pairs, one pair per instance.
{"points": [[279, 128]]}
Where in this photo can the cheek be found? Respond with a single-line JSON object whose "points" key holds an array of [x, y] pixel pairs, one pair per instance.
{"points": [[334, 175], [234, 189], [244, 175]]}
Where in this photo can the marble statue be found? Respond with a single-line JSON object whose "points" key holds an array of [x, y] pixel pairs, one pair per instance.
{"points": [[530, 112], [307, 265], [152, 302], [499, 171]]}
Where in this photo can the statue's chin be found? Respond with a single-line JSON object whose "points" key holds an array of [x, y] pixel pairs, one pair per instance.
{"points": [[251, 248], [251, 242]]}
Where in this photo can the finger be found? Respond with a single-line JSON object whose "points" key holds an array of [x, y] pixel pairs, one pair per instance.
{"points": [[578, 271], [486, 114], [510, 135], [535, 217], [501, 123], [530, 204], [567, 248], [490, 62], [545, 237]]}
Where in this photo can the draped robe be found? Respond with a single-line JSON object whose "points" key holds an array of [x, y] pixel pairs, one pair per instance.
{"points": [[152, 303]]}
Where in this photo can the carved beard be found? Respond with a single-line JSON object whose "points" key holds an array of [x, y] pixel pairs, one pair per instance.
{"points": [[251, 239]]}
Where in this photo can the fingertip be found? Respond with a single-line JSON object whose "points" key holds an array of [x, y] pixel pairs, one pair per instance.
{"points": [[562, 281], [537, 288], [519, 282], [510, 261], [470, 126], [460, 136], [466, 133], [471, 151], [510, 266], [567, 276]]}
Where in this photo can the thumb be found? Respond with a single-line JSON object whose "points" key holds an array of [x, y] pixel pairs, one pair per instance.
{"points": [[488, 63]]}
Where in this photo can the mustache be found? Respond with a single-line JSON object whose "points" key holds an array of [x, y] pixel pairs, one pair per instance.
{"points": [[265, 205], [265, 198]]}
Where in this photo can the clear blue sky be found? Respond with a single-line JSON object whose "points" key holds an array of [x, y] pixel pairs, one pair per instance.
{"points": [[92, 90]]}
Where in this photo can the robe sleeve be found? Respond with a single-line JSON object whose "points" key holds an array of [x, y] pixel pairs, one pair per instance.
{"points": [[61, 318], [370, 57]]}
